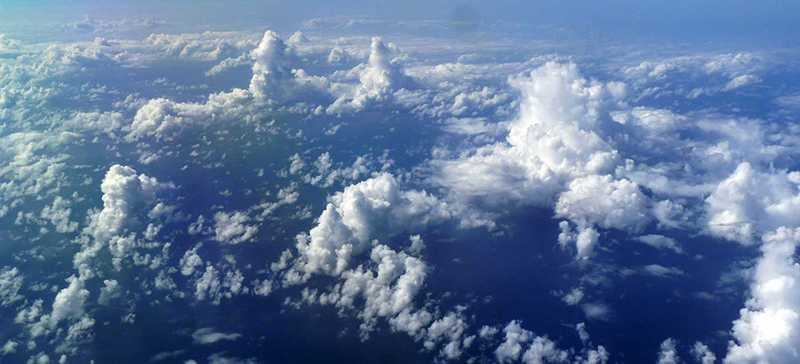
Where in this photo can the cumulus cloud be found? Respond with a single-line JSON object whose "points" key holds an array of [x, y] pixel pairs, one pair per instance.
{"points": [[109, 291], [164, 118], [362, 212], [10, 284], [554, 141], [127, 197], [274, 78], [232, 229], [702, 354], [541, 349], [668, 354], [622, 207], [768, 330], [378, 79], [750, 203], [58, 213]]}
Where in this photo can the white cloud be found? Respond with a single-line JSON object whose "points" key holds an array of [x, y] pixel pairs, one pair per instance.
{"points": [[69, 302], [573, 297], [552, 142], [378, 79], [768, 330], [668, 354], [126, 198], [702, 354], [596, 311], [749, 203], [190, 261], [623, 206], [660, 242], [362, 212], [207, 335], [9, 347], [232, 229], [662, 271], [10, 284], [109, 291], [58, 213], [274, 79]]}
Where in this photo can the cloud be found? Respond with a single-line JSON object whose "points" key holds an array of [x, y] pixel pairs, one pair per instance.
{"points": [[668, 354], [58, 213], [552, 142], [274, 79], [750, 203], [110, 291], [127, 196], [596, 311], [9, 347], [573, 297], [623, 207], [662, 271], [541, 349], [69, 302], [232, 229], [163, 118], [660, 242], [362, 212], [378, 79], [207, 335], [702, 354], [768, 330], [10, 284]]}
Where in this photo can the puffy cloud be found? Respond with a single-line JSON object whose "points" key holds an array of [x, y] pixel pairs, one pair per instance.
{"points": [[750, 203], [768, 330], [702, 354], [449, 328], [378, 79], [274, 79], [232, 229], [511, 348], [371, 209], [58, 213], [163, 118], [623, 205], [388, 290], [109, 291], [69, 302], [34, 165], [10, 284], [668, 354], [541, 350], [552, 141], [127, 197], [208, 285], [9, 347], [190, 261], [573, 297]]}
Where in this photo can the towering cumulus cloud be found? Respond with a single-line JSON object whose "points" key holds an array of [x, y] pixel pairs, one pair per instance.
{"points": [[274, 78], [554, 152], [379, 78]]}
